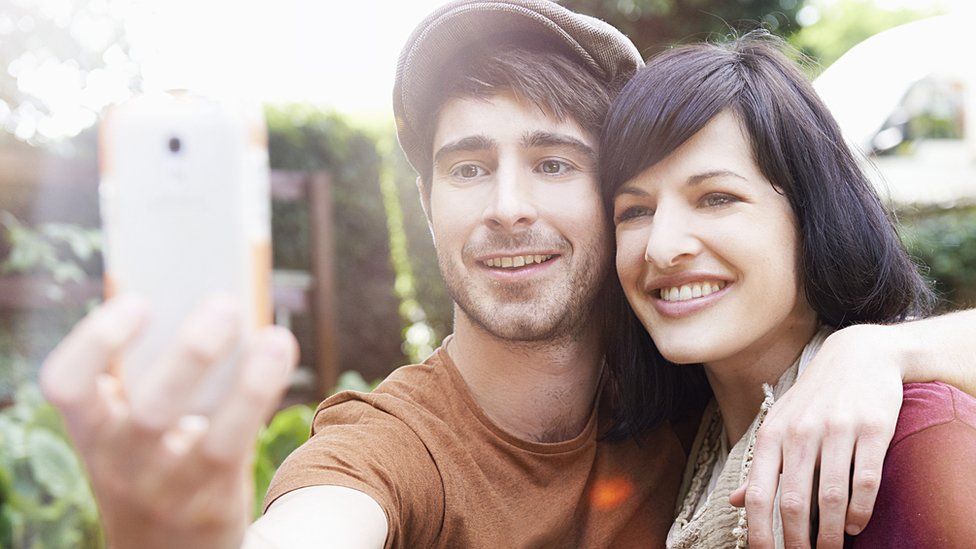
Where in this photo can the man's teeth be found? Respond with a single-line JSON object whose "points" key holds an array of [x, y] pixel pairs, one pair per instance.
{"points": [[516, 261], [691, 291]]}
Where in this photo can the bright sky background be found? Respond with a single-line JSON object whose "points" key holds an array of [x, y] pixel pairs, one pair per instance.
{"points": [[337, 53], [334, 53], [331, 53]]}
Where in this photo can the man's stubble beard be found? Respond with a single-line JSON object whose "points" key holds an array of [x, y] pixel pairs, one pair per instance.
{"points": [[533, 312]]}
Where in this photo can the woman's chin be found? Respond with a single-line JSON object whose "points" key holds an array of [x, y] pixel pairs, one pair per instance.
{"points": [[683, 356], [688, 354]]}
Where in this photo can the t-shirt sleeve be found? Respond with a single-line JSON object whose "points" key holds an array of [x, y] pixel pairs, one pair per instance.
{"points": [[927, 495], [358, 446]]}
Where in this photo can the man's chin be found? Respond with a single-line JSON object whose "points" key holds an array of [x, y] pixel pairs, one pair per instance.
{"points": [[525, 323]]}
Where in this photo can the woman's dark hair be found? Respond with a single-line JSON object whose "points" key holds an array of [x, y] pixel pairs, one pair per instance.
{"points": [[853, 266]]}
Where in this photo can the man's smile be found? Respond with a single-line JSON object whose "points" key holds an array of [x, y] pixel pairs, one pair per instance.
{"points": [[518, 267]]}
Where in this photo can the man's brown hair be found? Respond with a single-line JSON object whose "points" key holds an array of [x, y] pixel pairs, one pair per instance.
{"points": [[547, 78]]}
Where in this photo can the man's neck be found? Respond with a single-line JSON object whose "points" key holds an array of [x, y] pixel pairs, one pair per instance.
{"points": [[538, 391]]}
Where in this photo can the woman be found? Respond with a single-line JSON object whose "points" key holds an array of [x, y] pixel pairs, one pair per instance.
{"points": [[746, 234]]}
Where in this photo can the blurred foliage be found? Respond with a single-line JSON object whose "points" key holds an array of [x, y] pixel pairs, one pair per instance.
{"points": [[653, 25], [45, 501], [419, 339], [427, 282], [57, 250], [287, 430], [843, 24], [305, 139], [58, 254], [945, 241]]}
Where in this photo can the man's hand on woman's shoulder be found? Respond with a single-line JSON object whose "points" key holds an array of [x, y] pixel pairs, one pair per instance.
{"points": [[841, 413]]}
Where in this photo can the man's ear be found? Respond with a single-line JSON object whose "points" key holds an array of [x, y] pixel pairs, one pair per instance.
{"points": [[425, 205]]}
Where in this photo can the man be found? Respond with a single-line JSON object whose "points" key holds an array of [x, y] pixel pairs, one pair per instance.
{"points": [[493, 441]]}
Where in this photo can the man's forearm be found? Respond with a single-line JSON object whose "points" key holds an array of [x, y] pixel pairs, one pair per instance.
{"points": [[941, 348]]}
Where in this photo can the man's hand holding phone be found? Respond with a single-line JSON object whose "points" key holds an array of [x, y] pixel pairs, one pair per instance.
{"points": [[162, 477]]}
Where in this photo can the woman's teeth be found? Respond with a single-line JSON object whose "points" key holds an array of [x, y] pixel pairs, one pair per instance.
{"points": [[691, 291], [516, 261]]}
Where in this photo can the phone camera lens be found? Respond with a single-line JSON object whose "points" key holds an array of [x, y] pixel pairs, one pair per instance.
{"points": [[175, 144]]}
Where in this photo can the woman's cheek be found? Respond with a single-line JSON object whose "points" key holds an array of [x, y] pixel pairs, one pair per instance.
{"points": [[630, 257]]}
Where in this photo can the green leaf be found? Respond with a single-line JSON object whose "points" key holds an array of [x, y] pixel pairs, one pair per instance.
{"points": [[264, 471], [54, 464], [12, 441], [288, 430], [351, 380]]}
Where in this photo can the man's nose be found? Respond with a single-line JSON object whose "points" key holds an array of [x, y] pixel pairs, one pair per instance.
{"points": [[512, 205], [672, 239]]}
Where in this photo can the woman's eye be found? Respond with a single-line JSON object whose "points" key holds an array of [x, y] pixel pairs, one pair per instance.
{"points": [[468, 171], [633, 212], [715, 200], [554, 167]]}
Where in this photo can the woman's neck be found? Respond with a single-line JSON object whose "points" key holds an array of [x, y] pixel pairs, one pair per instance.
{"points": [[737, 380]]}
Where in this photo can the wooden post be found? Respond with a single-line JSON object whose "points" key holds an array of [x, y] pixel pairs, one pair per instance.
{"points": [[324, 299]]}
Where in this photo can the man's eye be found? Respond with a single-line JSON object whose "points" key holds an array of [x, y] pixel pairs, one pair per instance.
{"points": [[554, 167], [633, 212], [715, 200], [468, 171]]}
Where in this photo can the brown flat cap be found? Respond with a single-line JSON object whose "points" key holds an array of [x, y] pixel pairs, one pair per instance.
{"points": [[600, 48]]}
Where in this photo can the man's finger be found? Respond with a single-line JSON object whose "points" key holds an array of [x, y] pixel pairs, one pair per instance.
{"points": [[264, 376], [868, 463], [70, 374], [161, 395], [835, 472], [800, 453], [760, 491]]}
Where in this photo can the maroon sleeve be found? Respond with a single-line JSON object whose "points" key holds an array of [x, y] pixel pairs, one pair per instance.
{"points": [[927, 496]]}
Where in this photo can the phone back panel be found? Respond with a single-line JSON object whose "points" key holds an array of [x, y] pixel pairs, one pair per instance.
{"points": [[186, 213]]}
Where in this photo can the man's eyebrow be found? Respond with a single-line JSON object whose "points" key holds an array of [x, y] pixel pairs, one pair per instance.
{"points": [[550, 139], [466, 144]]}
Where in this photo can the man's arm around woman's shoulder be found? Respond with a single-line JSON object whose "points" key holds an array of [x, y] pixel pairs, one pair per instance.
{"points": [[927, 495]]}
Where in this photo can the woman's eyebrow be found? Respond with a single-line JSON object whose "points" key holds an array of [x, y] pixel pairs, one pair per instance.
{"points": [[705, 176], [631, 190], [692, 181]]}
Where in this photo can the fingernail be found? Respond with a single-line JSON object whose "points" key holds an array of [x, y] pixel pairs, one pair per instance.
{"points": [[853, 529]]}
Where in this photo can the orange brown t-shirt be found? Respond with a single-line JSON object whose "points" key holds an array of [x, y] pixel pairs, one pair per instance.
{"points": [[446, 476]]}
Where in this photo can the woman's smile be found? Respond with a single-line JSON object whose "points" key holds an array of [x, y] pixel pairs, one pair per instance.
{"points": [[685, 293], [687, 299], [707, 250]]}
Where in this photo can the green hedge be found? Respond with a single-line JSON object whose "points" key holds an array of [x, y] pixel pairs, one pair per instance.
{"points": [[944, 241], [306, 139]]}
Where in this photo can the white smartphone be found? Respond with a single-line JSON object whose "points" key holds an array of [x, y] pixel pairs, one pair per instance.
{"points": [[185, 204]]}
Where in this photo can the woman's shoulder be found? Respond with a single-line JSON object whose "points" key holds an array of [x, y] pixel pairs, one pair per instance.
{"points": [[929, 405], [928, 473]]}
